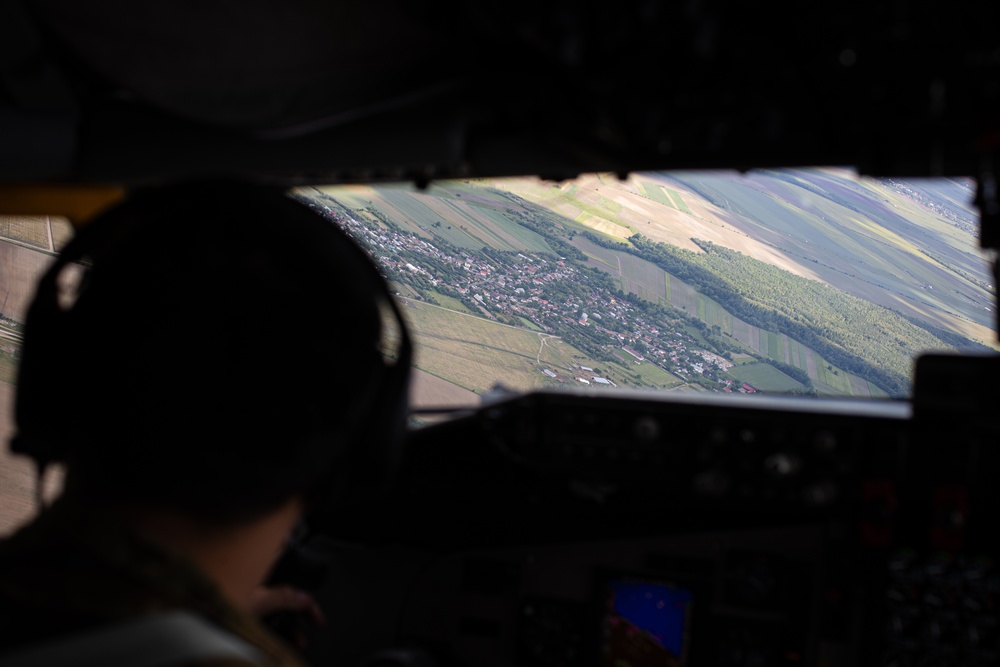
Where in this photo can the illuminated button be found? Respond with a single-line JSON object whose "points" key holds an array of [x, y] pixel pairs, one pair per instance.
{"points": [[781, 464]]}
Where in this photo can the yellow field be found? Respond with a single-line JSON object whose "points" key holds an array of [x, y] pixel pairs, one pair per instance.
{"points": [[428, 390]]}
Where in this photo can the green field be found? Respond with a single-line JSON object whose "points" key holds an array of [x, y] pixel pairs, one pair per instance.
{"points": [[646, 278], [413, 210], [678, 201], [446, 215], [656, 193], [602, 261], [835, 381], [775, 349], [517, 236], [716, 315], [459, 222], [528, 323], [765, 377], [653, 376], [448, 301], [405, 290], [637, 276]]}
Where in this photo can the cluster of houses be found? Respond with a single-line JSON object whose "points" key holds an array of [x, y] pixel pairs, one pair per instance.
{"points": [[535, 288]]}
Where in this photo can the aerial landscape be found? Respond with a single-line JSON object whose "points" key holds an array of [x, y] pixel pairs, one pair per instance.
{"points": [[813, 282]]}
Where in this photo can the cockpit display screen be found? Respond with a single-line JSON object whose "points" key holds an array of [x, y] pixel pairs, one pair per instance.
{"points": [[645, 623]]}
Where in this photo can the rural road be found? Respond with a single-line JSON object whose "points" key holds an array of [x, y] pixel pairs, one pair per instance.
{"points": [[541, 345]]}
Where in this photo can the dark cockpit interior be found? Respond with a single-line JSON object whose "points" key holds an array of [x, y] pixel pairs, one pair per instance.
{"points": [[558, 529]]}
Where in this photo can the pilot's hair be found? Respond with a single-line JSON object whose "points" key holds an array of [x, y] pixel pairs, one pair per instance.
{"points": [[219, 354]]}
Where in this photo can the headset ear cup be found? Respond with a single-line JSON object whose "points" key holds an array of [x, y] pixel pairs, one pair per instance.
{"points": [[367, 473], [388, 438], [47, 362], [50, 357]]}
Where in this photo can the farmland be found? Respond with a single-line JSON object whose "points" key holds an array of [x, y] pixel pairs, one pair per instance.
{"points": [[657, 194], [652, 375], [644, 278], [900, 245], [474, 353], [456, 220], [908, 246], [766, 377], [882, 241], [428, 390]]}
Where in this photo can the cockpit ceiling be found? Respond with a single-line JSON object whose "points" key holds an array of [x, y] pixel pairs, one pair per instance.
{"points": [[341, 92]]}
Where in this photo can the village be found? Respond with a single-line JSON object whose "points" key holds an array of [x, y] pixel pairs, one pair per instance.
{"points": [[556, 296]]}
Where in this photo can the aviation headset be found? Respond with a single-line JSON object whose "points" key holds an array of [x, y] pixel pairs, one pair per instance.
{"points": [[57, 411]]}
